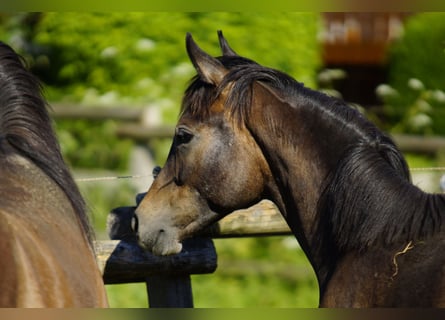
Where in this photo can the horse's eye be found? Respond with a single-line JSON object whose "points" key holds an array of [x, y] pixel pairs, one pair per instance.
{"points": [[183, 136]]}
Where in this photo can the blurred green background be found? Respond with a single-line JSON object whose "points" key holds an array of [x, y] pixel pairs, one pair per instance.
{"points": [[139, 59]]}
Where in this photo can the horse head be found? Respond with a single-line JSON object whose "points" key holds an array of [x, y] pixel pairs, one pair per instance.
{"points": [[214, 165]]}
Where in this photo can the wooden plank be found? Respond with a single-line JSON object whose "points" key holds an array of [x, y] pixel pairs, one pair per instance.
{"points": [[137, 131], [144, 133], [406, 143], [123, 261], [168, 278], [75, 111], [262, 219], [420, 144], [373, 53]]}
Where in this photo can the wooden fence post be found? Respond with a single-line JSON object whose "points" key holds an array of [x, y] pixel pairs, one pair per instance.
{"points": [[170, 291], [167, 278]]}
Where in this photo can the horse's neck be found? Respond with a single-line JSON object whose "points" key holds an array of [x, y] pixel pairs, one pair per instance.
{"points": [[291, 149], [302, 151], [32, 187]]}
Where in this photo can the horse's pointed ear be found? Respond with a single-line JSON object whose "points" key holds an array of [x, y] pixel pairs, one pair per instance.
{"points": [[209, 69], [225, 48]]}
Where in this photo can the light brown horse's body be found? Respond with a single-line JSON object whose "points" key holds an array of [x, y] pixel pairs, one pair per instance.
{"points": [[46, 251], [247, 132], [46, 259]]}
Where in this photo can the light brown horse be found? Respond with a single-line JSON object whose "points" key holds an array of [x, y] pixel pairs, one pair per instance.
{"points": [[247, 132], [46, 252]]}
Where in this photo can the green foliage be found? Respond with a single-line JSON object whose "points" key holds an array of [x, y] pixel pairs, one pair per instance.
{"points": [[3, 32], [416, 68], [92, 144], [139, 59], [103, 196], [421, 115]]}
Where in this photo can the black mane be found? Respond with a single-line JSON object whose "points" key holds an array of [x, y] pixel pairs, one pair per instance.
{"points": [[25, 124], [367, 198], [367, 201]]}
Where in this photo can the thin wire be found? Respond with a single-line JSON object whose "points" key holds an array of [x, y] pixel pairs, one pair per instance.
{"points": [[113, 178], [428, 169], [151, 175]]}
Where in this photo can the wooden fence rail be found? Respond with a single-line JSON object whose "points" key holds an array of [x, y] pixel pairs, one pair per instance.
{"points": [[133, 127], [74, 111], [168, 278]]}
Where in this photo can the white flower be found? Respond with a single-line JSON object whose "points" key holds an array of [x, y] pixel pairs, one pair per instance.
{"points": [[109, 52], [385, 90], [421, 120], [109, 98], [439, 96], [145, 83], [415, 84], [145, 45], [329, 75], [183, 69]]}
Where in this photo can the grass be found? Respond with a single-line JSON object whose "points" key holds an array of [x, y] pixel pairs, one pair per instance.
{"points": [[257, 272], [129, 295]]}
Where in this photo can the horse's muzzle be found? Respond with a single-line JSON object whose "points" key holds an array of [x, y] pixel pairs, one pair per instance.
{"points": [[160, 241]]}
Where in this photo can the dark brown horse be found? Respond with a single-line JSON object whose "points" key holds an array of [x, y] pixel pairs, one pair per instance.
{"points": [[247, 132], [46, 252]]}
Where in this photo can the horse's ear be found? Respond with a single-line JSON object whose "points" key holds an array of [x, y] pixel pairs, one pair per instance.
{"points": [[225, 48], [209, 69]]}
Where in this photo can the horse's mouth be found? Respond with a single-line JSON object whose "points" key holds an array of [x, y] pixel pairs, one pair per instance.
{"points": [[163, 244]]}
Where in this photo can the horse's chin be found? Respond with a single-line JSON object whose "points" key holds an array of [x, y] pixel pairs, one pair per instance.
{"points": [[166, 249], [162, 244]]}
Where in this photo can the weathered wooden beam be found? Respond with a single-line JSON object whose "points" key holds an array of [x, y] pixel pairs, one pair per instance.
{"points": [[419, 144], [74, 111], [144, 133], [168, 278], [137, 131], [262, 219], [123, 261], [406, 143]]}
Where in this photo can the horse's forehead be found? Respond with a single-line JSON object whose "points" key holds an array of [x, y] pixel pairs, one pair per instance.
{"points": [[214, 115]]}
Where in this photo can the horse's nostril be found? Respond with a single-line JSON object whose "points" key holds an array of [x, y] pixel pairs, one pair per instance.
{"points": [[135, 223], [161, 230]]}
